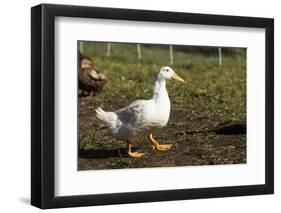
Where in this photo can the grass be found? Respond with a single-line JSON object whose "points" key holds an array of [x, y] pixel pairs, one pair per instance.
{"points": [[221, 90]]}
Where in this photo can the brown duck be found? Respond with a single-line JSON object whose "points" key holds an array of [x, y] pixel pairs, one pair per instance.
{"points": [[91, 81]]}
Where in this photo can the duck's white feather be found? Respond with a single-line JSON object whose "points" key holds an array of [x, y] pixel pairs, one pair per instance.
{"points": [[109, 118]]}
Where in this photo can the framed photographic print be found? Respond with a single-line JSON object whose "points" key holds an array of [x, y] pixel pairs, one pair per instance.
{"points": [[139, 106]]}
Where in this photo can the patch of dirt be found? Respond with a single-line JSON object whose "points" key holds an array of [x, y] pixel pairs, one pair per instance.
{"points": [[196, 135]]}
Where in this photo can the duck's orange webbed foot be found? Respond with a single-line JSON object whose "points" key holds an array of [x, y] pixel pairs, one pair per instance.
{"points": [[133, 154], [157, 146]]}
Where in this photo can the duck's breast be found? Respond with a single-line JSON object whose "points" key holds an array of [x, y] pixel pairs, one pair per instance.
{"points": [[157, 114]]}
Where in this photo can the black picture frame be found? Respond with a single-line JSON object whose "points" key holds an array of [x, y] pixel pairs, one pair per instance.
{"points": [[43, 105]]}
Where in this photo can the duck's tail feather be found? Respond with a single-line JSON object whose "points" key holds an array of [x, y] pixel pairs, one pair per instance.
{"points": [[108, 118]]}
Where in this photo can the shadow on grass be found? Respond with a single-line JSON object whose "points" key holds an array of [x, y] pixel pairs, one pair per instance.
{"points": [[102, 153], [234, 129]]}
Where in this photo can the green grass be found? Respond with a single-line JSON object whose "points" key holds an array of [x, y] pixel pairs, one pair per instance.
{"points": [[219, 90]]}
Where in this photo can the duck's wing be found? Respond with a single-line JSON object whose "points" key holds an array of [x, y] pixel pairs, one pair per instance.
{"points": [[138, 117], [94, 75], [132, 113]]}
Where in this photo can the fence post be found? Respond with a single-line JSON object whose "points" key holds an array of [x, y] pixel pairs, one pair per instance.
{"points": [[108, 49], [220, 56], [139, 51], [81, 46], [171, 55]]}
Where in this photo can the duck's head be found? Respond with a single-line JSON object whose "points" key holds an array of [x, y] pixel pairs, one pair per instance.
{"points": [[168, 73]]}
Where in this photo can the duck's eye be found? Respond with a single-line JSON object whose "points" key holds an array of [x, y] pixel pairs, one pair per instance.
{"points": [[167, 70]]}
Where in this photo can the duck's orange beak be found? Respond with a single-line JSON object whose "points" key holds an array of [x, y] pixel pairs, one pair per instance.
{"points": [[176, 77]]}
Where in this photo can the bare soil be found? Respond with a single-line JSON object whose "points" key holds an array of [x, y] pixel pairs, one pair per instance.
{"points": [[198, 137]]}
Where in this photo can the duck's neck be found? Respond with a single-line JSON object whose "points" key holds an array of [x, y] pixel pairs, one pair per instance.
{"points": [[159, 91]]}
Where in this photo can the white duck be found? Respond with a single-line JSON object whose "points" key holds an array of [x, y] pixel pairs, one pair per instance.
{"points": [[142, 117]]}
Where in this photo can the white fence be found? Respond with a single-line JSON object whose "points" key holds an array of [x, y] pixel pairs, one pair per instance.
{"points": [[139, 52]]}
